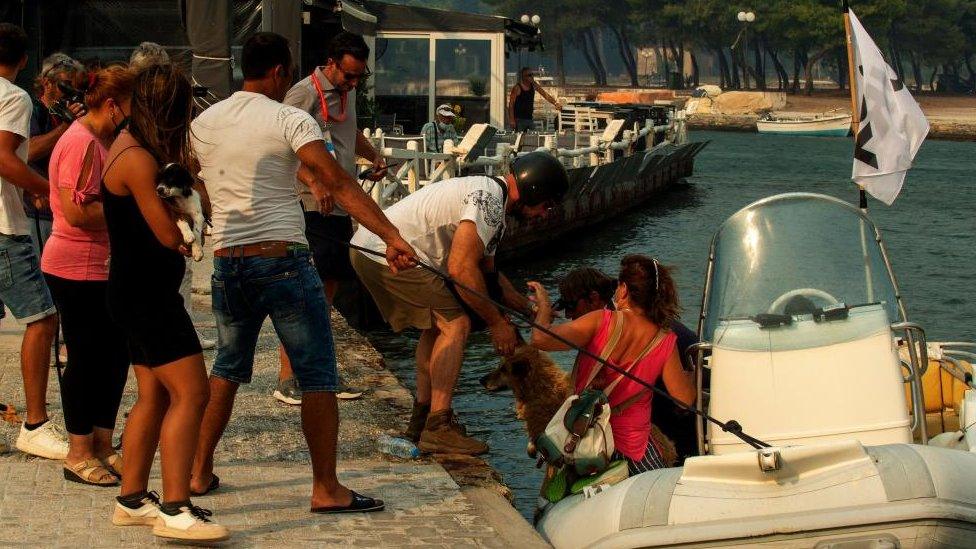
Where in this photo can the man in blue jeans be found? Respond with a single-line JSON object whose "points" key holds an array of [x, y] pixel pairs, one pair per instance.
{"points": [[250, 147], [22, 286]]}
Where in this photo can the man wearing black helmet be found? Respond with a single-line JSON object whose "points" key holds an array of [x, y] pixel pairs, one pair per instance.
{"points": [[455, 225]]}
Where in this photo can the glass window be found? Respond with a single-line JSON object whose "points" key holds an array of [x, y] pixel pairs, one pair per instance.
{"points": [[402, 80], [463, 78]]}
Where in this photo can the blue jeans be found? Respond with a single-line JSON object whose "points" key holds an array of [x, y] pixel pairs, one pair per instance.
{"points": [[22, 286], [247, 290]]}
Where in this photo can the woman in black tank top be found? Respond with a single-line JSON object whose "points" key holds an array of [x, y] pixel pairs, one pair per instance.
{"points": [[145, 271]]}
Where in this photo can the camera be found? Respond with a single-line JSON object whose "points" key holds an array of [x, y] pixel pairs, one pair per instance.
{"points": [[69, 95]]}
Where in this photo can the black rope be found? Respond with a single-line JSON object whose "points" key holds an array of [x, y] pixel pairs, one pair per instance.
{"points": [[732, 426]]}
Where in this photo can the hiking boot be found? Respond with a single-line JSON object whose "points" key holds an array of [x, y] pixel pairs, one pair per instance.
{"points": [[444, 435], [189, 523], [137, 510], [347, 392], [418, 418], [47, 441]]}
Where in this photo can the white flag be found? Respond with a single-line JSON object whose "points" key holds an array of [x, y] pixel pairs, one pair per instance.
{"points": [[892, 125]]}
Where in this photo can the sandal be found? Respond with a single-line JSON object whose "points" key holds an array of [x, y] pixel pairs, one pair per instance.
{"points": [[214, 484], [113, 462], [90, 471], [359, 504]]}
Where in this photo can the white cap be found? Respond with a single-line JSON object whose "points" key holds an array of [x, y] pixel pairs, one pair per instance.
{"points": [[446, 110]]}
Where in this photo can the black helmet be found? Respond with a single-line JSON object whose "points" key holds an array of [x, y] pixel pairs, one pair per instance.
{"points": [[539, 177]]}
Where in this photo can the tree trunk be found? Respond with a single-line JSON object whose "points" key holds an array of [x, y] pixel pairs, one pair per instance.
{"points": [[797, 63], [663, 56], [935, 72], [781, 75], [679, 61], [916, 71], [629, 49], [842, 70], [600, 70], [628, 59], [968, 61], [723, 69], [694, 69], [585, 49], [808, 69], [760, 73]]}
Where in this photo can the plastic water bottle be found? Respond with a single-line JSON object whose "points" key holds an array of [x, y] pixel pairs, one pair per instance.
{"points": [[398, 447]]}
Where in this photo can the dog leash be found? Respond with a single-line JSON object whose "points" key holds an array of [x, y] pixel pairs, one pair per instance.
{"points": [[731, 426]]}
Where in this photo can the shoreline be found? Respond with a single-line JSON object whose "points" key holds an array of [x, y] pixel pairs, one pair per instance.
{"points": [[940, 128]]}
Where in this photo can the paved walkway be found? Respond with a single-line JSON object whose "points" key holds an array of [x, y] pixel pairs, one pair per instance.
{"points": [[264, 469]]}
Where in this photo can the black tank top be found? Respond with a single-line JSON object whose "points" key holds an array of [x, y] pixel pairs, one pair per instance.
{"points": [[140, 268], [524, 102]]}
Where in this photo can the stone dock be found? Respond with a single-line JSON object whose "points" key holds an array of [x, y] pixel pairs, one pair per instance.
{"points": [[265, 471]]}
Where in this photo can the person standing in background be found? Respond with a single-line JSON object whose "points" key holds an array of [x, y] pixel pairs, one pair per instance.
{"points": [[48, 124], [25, 292], [329, 95], [521, 101]]}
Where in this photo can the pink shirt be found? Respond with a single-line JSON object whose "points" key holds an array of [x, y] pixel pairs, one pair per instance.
{"points": [[74, 253], [632, 426]]}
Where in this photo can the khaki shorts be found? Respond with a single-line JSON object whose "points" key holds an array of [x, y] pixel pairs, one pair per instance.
{"points": [[408, 299]]}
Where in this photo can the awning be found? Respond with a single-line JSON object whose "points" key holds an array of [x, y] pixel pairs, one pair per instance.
{"points": [[356, 19]]}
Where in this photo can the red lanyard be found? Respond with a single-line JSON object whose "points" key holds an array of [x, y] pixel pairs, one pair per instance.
{"points": [[325, 104]]}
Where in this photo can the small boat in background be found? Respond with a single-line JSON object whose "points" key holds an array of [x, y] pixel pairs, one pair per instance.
{"points": [[822, 125]]}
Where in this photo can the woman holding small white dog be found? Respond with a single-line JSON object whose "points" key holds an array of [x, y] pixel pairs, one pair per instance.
{"points": [[75, 266], [143, 295], [636, 337]]}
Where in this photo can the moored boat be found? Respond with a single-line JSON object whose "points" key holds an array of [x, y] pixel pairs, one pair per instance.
{"points": [[822, 125], [803, 323]]}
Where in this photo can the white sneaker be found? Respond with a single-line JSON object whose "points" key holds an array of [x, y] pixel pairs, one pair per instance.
{"points": [[191, 523], [144, 515], [47, 441]]}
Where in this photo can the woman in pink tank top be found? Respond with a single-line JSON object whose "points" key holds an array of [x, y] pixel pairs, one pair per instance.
{"points": [[634, 337]]}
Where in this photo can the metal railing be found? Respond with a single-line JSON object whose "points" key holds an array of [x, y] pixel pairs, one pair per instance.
{"points": [[417, 167]]}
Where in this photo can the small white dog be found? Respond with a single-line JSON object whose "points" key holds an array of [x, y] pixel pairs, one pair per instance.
{"points": [[174, 184]]}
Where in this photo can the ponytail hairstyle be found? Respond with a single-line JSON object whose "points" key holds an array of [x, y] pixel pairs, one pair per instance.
{"points": [[651, 288], [113, 82], [162, 106]]}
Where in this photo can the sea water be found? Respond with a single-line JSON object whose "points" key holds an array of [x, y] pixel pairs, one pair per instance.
{"points": [[930, 233]]}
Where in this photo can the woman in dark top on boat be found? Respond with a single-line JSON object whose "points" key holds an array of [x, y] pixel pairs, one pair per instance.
{"points": [[635, 337], [143, 295]]}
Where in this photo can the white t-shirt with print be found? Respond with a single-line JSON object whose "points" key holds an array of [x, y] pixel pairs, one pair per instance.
{"points": [[15, 115], [246, 147], [428, 218]]}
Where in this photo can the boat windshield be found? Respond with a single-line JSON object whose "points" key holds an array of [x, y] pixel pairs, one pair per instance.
{"points": [[797, 259]]}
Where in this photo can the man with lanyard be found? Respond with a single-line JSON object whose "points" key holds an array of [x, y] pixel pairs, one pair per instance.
{"points": [[329, 95], [455, 225], [440, 130], [521, 101]]}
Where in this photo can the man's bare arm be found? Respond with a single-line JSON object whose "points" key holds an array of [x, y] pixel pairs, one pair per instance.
{"points": [[545, 94], [464, 265], [15, 170], [42, 145]]}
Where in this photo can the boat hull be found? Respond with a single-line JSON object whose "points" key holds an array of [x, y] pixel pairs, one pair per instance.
{"points": [[823, 127], [842, 493]]}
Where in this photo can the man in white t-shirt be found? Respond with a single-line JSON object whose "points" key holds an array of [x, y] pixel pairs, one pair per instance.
{"points": [[22, 287], [249, 147], [455, 226]]}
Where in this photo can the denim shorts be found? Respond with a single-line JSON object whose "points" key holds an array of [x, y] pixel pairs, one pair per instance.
{"points": [[22, 286], [246, 291]]}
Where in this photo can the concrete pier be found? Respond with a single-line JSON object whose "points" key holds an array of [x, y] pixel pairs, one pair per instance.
{"points": [[264, 468]]}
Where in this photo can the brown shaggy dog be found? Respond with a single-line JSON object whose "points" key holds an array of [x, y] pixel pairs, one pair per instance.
{"points": [[540, 388]]}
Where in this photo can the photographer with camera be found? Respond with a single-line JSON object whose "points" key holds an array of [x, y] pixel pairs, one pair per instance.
{"points": [[53, 111]]}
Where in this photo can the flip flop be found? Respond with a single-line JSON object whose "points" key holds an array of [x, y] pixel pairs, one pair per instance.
{"points": [[359, 504], [214, 484]]}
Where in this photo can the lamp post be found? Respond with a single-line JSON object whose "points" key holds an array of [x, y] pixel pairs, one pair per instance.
{"points": [[646, 54], [744, 17]]}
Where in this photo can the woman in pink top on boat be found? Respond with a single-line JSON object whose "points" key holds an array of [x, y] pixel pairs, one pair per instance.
{"points": [[75, 266], [634, 337]]}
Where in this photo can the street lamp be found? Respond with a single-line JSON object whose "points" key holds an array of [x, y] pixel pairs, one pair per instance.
{"points": [[744, 17], [527, 19]]}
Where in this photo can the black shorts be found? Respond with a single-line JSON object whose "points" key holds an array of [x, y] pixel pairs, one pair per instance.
{"points": [[326, 235], [158, 331]]}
